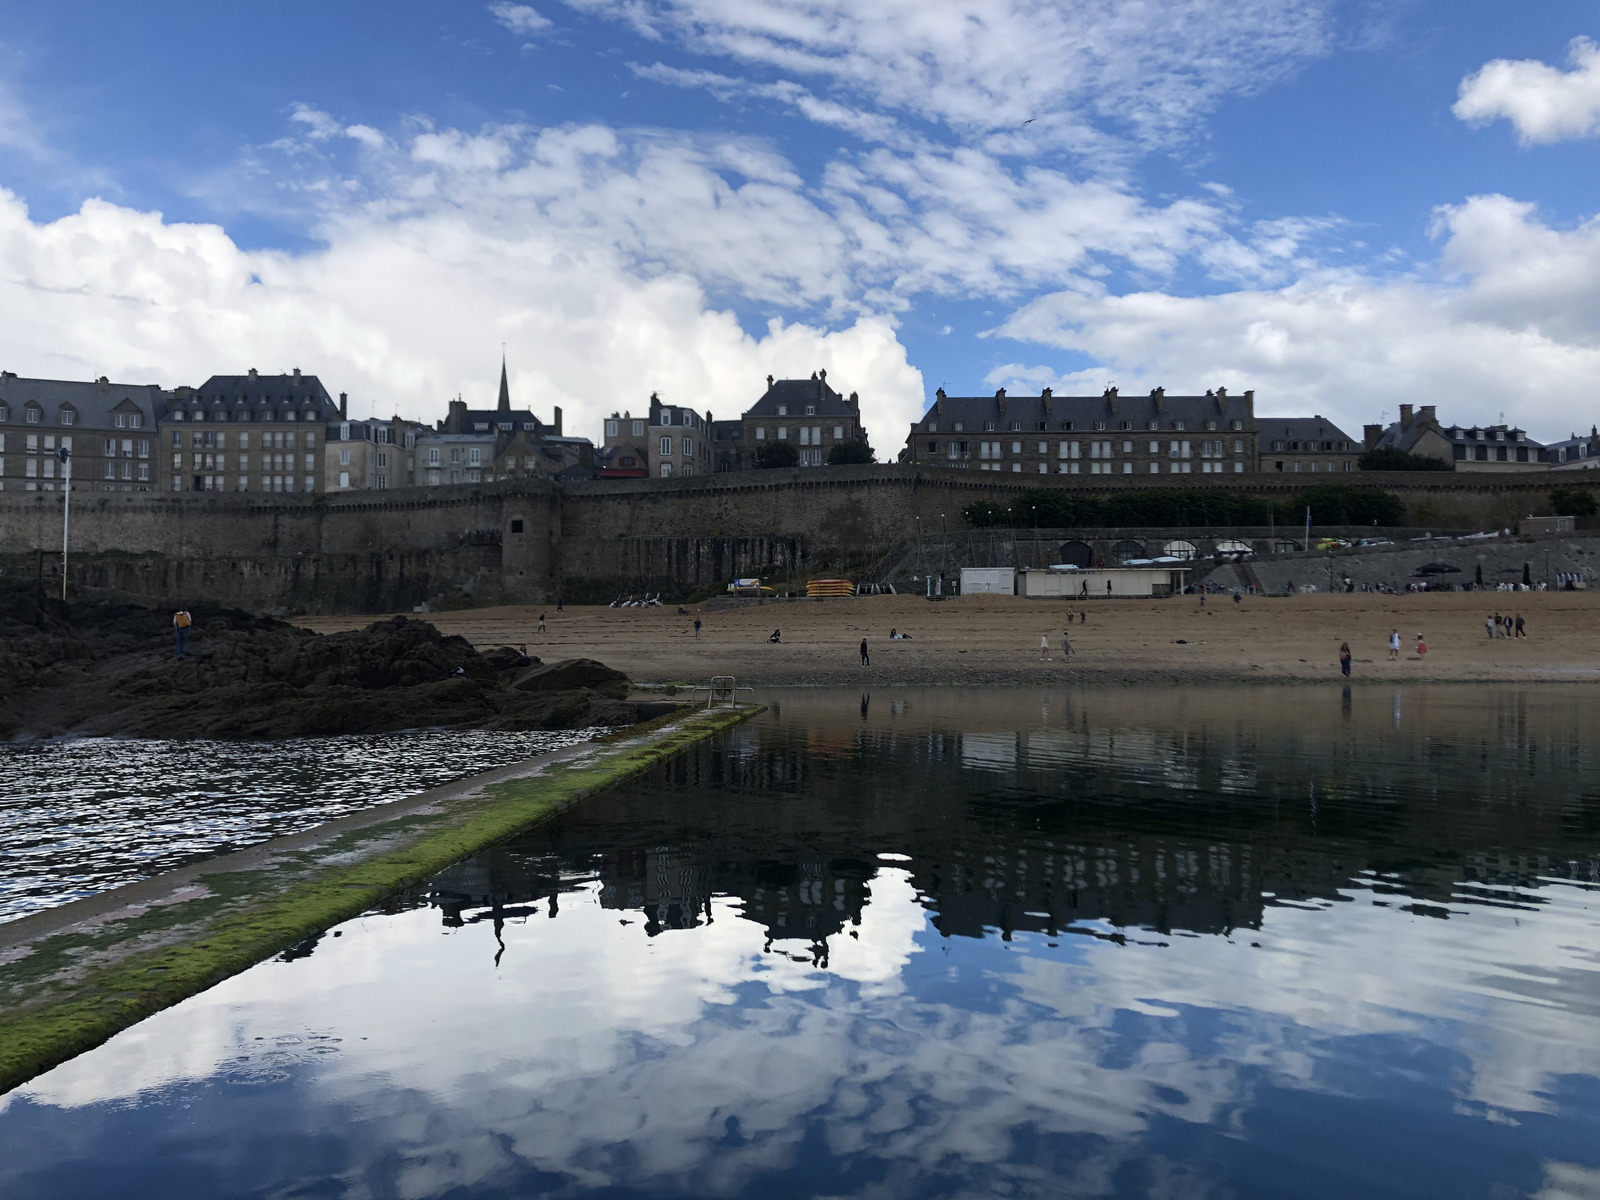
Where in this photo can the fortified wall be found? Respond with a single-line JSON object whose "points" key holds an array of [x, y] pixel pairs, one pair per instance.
{"points": [[533, 541]]}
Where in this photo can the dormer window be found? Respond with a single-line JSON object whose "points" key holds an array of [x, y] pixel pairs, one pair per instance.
{"points": [[119, 420], [1099, 425], [1153, 425], [1236, 425], [1127, 425], [1067, 426], [1016, 427], [933, 427], [68, 414], [5, 413], [959, 426], [811, 410], [1211, 424], [988, 426], [481, 426], [1177, 425], [783, 410]]}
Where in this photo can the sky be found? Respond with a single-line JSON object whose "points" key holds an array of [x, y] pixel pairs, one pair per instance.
{"points": [[1343, 205]]}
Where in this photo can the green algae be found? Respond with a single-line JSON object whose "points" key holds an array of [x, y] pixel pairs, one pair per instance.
{"points": [[76, 990]]}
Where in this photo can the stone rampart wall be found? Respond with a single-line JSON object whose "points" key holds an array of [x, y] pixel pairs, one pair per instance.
{"points": [[531, 541]]}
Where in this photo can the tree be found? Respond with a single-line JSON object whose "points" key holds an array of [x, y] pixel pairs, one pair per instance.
{"points": [[1573, 502], [1390, 459], [855, 452], [777, 454]]}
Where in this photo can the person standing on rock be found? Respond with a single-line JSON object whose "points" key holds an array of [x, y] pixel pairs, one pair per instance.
{"points": [[181, 620], [866, 659]]}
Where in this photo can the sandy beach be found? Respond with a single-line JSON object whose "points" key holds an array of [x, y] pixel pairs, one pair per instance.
{"points": [[995, 639]]}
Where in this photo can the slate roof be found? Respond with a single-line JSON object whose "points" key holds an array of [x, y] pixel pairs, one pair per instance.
{"points": [[257, 393], [796, 394], [94, 401], [1316, 429], [1080, 412], [1474, 434]]}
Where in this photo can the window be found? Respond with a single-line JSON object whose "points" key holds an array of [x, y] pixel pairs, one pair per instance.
{"points": [[761, 433], [638, 429], [838, 433], [988, 426], [666, 470], [474, 457], [811, 410], [1127, 447], [383, 459], [783, 433], [1211, 424], [933, 427], [611, 431], [1099, 425], [33, 414], [958, 427], [783, 410], [688, 469], [1155, 447], [688, 449], [665, 446], [344, 461], [1016, 447], [1177, 425], [455, 457], [68, 415], [433, 456], [1238, 446], [1067, 426], [344, 479]]}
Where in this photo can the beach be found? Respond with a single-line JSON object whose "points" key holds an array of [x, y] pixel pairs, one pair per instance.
{"points": [[982, 639]]}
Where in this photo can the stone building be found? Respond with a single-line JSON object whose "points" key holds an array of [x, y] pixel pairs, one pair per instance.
{"points": [[1307, 445], [1576, 453], [1109, 434], [109, 430], [481, 445], [1489, 448], [376, 454], [669, 441], [804, 413], [247, 433]]}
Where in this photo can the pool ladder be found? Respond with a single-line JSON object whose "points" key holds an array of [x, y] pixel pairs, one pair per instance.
{"points": [[722, 691]]}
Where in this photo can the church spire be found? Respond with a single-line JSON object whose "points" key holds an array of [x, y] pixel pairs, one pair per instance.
{"points": [[505, 392]]}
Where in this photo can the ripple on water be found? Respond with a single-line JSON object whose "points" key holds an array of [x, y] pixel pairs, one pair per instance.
{"points": [[80, 817]]}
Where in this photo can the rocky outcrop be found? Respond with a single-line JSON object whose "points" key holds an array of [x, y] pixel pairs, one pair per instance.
{"points": [[110, 669]]}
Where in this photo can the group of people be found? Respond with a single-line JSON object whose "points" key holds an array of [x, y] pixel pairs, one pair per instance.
{"points": [[1497, 626]]}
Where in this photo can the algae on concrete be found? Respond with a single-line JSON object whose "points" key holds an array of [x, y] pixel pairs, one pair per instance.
{"points": [[143, 948]]}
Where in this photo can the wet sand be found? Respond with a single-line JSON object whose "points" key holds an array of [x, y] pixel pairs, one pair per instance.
{"points": [[995, 639]]}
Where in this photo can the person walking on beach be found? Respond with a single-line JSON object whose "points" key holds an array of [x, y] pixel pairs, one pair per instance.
{"points": [[1488, 626], [1422, 647], [1066, 646], [181, 620], [697, 627], [1083, 617], [866, 661], [1044, 647], [1520, 633], [1344, 659], [1394, 644], [541, 622]]}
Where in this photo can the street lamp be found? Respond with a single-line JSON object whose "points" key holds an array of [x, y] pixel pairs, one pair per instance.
{"points": [[65, 456]]}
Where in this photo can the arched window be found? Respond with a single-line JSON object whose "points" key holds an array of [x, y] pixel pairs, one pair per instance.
{"points": [[1180, 549], [1077, 554], [666, 470], [1124, 550]]}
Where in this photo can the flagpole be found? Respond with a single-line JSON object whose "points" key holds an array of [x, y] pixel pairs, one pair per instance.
{"points": [[65, 456]]}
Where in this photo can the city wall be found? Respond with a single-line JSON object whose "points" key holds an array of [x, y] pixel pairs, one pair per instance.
{"points": [[534, 541]]}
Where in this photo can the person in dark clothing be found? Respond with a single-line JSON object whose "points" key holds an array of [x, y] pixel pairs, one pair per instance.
{"points": [[697, 627], [1520, 633], [1344, 659], [777, 636], [866, 660], [181, 621]]}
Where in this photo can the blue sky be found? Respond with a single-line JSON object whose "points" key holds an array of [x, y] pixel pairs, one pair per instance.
{"points": [[1341, 205]]}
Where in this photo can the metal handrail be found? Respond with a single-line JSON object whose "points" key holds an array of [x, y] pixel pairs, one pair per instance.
{"points": [[723, 689]]}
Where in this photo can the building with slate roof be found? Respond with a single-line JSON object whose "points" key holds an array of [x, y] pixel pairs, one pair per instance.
{"points": [[247, 433], [1575, 453], [372, 454], [804, 413], [481, 445], [670, 440], [1492, 448], [108, 428], [1295, 445], [1109, 434]]}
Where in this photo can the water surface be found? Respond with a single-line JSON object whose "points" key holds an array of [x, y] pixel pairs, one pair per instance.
{"points": [[1174, 943]]}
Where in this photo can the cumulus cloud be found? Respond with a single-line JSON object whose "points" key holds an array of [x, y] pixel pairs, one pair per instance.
{"points": [[1507, 323], [1543, 103], [520, 19], [1090, 74]]}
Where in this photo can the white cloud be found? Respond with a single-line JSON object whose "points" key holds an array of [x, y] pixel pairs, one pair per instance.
{"points": [[1543, 103], [1509, 323], [520, 19], [1148, 71]]}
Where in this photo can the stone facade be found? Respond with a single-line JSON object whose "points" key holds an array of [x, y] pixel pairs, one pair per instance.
{"points": [[669, 442], [1110, 434], [108, 429], [246, 433], [804, 413], [371, 454], [1307, 445], [489, 445]]}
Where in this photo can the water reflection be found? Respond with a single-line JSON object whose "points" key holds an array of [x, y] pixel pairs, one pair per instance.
{"points": [[1167, 943]]}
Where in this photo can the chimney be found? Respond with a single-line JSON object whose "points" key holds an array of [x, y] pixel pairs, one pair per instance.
{"points": [[252, 373], [1428, 411], [1249, 402], [1222, 399], [1045, 393], [556, 424], [1370, 436], [1157, 397], [823, 375], [855, 400], [344, 406], [297, 372], [1405, 416], [769, 383]]}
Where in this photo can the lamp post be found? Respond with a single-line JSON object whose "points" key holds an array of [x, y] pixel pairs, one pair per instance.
{"points": [[65, 456], [1033, 550], [944, 551]]}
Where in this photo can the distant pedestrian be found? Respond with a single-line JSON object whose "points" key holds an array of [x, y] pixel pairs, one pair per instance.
{"points": [[541, 622], [1108, 587], [1422, 647], [1488, 626], [1066, 646], [181, 620], [1083, 617], [1394, 644], [1044, 646], [1344, 659], [1520, 633], [1069, 616], [866, 661], [1236, 595], [560, 607], [697, 627]]}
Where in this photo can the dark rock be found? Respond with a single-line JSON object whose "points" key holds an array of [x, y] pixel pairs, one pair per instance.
{"points": [[110, 669], [574, 673]]}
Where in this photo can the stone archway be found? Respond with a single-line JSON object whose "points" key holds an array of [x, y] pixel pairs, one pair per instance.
{"points": [[1126, 549], [1077, 554]]}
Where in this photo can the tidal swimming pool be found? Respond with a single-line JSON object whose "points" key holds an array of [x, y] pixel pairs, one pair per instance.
{"points": [[1180, 942]]}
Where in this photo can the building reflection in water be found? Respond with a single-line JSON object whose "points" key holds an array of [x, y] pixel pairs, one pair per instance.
{"points": [[1121, 814]]}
